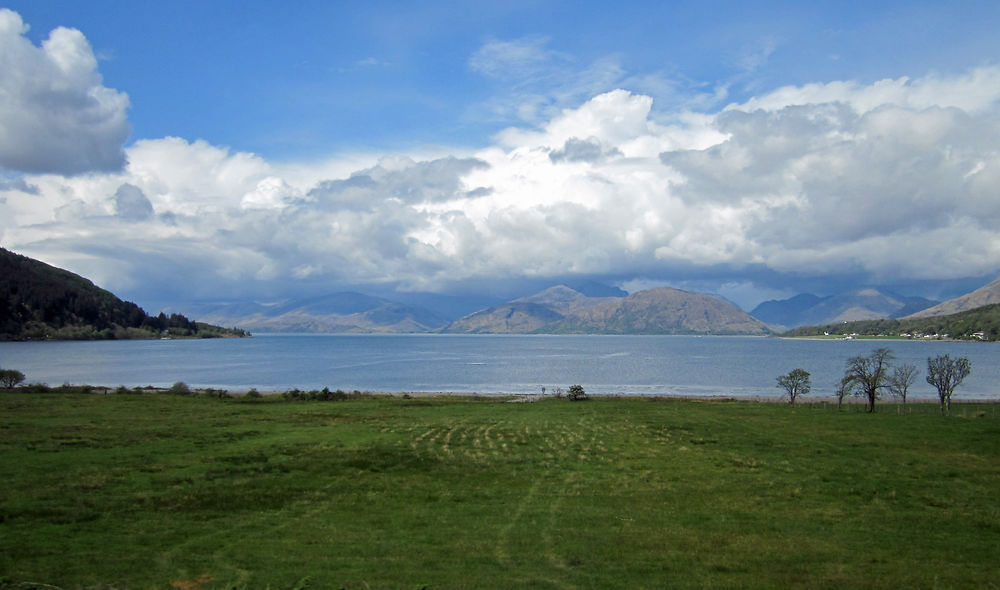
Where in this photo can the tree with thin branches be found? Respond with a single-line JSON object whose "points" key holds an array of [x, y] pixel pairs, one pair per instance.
{"points": [[843, 390], [902, 378], [795, 383], [868, 375], [946, 374]]}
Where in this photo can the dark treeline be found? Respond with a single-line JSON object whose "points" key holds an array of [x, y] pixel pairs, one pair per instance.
{"points": [[38, 301]]}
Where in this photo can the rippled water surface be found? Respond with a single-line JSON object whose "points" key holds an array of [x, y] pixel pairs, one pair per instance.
{"points": [[634, 365]]}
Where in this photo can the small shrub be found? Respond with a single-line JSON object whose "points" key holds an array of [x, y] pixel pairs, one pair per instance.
{"points": [[295, 395], [253, 393], [576, 393], [36, 388], [180, 388]]}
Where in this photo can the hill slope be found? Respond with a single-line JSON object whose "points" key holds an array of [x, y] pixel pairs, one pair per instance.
{"points": [[561, 310], [346, 312], [861, 304], [987, 295], [535, 313], [38, 301]]}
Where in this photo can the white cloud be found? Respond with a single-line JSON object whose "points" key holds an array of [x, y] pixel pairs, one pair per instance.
{"points": [[884, 180], [132, 204], [973, 92], [864, 182], [55, 114], [518, 60], [194, 178]]}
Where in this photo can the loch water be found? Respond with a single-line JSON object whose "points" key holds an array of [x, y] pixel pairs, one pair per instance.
{"points": [[516, 364]]}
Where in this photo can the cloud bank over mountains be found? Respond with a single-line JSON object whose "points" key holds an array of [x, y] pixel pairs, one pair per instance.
{"points": [[889, 181]]}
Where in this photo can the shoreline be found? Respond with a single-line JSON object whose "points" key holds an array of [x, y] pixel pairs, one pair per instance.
{"points": [[241, 392]]}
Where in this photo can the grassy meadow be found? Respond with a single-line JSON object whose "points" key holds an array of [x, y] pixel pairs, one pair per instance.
{"points": [[160, 491]]}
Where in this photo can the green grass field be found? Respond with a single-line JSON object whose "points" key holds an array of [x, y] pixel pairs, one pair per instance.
{"points": [[158, 491]]}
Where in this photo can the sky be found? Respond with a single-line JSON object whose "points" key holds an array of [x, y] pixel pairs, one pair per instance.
{"points": [[221, 151]]}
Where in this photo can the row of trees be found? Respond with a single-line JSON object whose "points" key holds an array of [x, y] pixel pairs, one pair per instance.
{"points": [[872, 375]]}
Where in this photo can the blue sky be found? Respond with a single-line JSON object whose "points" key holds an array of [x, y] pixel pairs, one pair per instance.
{"points": [[450, 147], [314, 77]]}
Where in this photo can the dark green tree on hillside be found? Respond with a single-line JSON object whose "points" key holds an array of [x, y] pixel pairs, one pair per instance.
{"points": [[946, 374], [868, 375], [795, 383]]}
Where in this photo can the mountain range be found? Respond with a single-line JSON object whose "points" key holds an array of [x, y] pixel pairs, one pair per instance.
{"points": [[587, 308], [346, 312], [861, 304], [42, 301], [562, 310]]}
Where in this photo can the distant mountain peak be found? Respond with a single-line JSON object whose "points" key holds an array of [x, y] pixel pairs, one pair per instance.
{"points": [[556, 294], [596, 289]]}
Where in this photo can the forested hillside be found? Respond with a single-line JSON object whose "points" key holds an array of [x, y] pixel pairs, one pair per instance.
{"points": [[39, 302]]}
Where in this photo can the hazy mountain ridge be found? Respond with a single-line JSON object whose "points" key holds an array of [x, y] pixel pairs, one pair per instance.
{"points": [[345, 312], [861, 304], [561, 310], [564, 309]]}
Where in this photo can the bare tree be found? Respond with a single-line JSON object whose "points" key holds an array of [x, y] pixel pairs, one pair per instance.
{"points": [[868, 375], [796, 383], [843, 390], [946, 374], [902, 378]]}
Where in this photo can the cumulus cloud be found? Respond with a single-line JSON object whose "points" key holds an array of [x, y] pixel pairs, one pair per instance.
{"points": [[973, 92], [400, 178], [583, 150], [17, 184], [856, 181], [55, 114], [533, 83], [881, 182], [132, 204]]}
